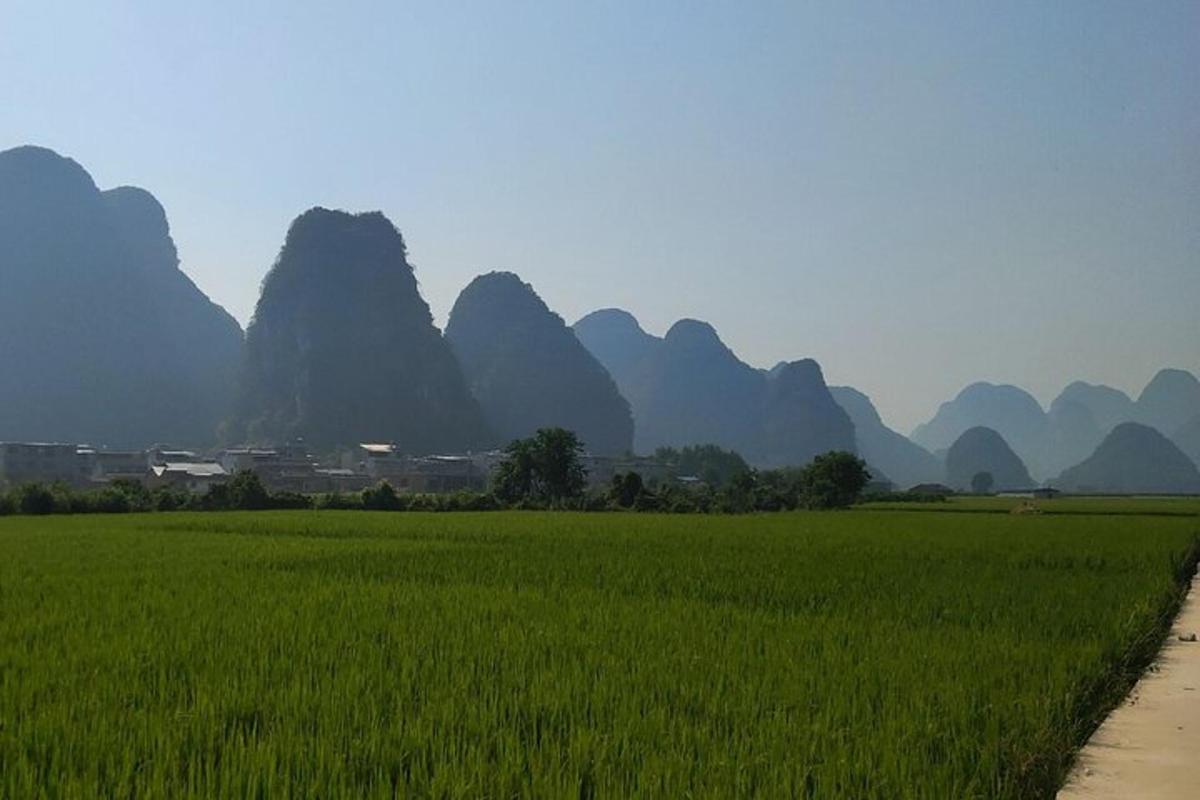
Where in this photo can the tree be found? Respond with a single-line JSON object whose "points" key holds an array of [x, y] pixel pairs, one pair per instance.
{"points": [[245, 491], [834, 480], [544, 468], [708, 462], [626, 489], [34, 498], [382, 497], [982, 483], [739, 495], [558, 469], [513, 481]]}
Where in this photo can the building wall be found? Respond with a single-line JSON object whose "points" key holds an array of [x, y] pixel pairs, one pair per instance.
{"points": [[43, 463]]}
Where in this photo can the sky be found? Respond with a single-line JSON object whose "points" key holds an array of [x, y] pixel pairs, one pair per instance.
{"points": [[918, 195]]}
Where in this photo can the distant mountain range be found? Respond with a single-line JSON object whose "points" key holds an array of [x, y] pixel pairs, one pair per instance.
{"points": [[688, 388], [104, 340], [1078, 421]]}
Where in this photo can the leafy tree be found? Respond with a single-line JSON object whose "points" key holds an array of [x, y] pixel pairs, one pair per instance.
{"points": [[34, 498], [708, 462], [779, 489], [545, 468], [169, 498], [626, 489], [137, 496], [738, 496], [982, 482], [111, 500], [381, 497], [559, 470], [513, 480], [834, 480], [247, 492]]}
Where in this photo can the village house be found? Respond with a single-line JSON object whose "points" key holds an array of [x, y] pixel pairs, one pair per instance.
{"points": [[601, 469], [111, 465], [30, 462], [290, 468], [195, 477], [431, 473]]}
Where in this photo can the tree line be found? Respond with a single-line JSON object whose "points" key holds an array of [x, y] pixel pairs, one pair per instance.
{"points": [[544, 471]]}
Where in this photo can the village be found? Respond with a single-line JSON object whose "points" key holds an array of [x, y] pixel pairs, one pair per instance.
{"points": [[290, 468]]}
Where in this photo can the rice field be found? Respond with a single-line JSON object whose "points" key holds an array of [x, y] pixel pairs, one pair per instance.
{"points": [[881, 654]]}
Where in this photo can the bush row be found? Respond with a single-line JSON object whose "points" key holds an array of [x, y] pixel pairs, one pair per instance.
{"points": [[776, 490]]}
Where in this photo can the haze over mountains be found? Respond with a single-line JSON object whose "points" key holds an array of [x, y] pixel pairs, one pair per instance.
{"points": [[1077, 422], [104, 340]]}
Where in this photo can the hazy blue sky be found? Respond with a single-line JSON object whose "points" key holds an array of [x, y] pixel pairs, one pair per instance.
{"points": [[919, 195]]}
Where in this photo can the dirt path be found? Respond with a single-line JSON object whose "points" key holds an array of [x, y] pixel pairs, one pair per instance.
{"points": [[1149, 747]]}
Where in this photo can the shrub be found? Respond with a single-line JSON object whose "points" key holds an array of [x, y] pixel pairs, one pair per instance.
{"points": [[169, 498], [338, 501], [137, 496], [381, 497], [290, 500], [110, 500], [246, 492], [35, 498], [423, 502], [834, 480]]}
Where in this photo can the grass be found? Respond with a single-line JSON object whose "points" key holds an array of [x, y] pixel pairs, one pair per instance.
{"points": [[1160, 505], [864, 655]]}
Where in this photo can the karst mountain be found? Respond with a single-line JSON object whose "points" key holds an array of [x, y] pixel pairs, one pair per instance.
{"points": [[1009, 410], [103, 339], [342, 348], [1077, 422], [527, 369], [904, 462], [983, 450], [1133, 458], [688, 387]]}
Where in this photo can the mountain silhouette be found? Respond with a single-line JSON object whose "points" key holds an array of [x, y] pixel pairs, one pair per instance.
{"points": [[527, 369], [1078, 420], [1009, 410], [802, 419], [1169, 401], [981, 449], [618, 342], [1107, 406], [689, 388], [1133, 458], [903, 461], [342, 348], [1187, 439], [694, 390], [103, 339]]}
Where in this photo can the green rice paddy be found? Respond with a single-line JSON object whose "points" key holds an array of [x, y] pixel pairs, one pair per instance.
{"points": [[881, 654]]}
